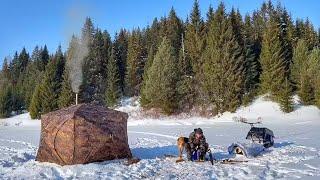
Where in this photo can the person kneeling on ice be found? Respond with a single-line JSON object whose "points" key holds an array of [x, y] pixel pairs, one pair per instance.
{"points": [[197, 144]]}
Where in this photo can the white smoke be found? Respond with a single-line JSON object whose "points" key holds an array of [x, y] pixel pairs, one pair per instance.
{"points": [[76, 16], [75, 63]]}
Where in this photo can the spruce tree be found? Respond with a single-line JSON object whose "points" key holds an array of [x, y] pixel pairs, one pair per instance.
{"points": [[194, 38], [272, 59], [160, 86], [120, 48], [44, 53], [5, 74], [174, 29], [193, 47], [5, 102], [223, 65], [33, 77], [23, 60], [14, 68], [237, 26], [143, 98], [309, 34], [309, 71], [300, 58], [210, 16], [50, 86], [66, 96], [36, 58], [112, 93], [87, 33], [252, 65], [317, 90], [286, 31], [135, 63], [313, 63], [35, 108], [306, 90], [95, 68], [186, 93], [285, 97]]}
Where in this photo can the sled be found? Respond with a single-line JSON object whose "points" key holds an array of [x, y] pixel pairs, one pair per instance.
{"points": [[246, 149], [131, 161], [231, 161], [261, 135]]}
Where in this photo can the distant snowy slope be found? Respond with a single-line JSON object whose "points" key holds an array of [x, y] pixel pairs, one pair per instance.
{"points": [[267, 110], [20, 120]]}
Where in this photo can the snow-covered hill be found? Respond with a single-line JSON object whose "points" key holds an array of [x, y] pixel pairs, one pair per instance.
{"points": [[296, 153]]}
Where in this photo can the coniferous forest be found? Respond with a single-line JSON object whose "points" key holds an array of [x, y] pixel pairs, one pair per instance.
{"points": [[209, 64]]}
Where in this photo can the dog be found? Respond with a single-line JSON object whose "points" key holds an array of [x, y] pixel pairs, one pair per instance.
{"points": [[181, 143]]}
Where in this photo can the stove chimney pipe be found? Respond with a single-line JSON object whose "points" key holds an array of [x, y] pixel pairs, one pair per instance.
{"points": [[76, 98]]}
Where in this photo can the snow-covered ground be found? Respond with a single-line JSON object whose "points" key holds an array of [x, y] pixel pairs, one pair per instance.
{"points": [[296, 153]]}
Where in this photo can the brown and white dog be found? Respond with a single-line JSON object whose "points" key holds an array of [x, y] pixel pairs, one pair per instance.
{"points": [[181, 143]]}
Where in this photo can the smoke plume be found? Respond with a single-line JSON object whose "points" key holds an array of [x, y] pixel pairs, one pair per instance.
{"points": [[79, 50], [78, 47]]}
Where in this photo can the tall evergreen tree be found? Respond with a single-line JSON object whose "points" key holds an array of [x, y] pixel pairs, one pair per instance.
{"points": [[143, 98], [23, 60], [44, 53], [285, 97], [51, 85], [174, 29], [313, 63], [309, 34], [194, 38], [286, 31], [95, 68], [5, 74], [210, 16], [135, 63], [112, 93], [307, 73], [14, 69], [223, 65], [272, 59], [120, 48], [317, 90], [252, 65], [306, 90], [66, 96], [160, 86], [237, 26], [300, 57], [6, 101], [33, 77], [45, 97], [193, 47], [87, 33], [35, 105]]}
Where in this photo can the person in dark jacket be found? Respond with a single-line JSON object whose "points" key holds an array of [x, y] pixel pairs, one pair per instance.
{"points": [[197, 141]]}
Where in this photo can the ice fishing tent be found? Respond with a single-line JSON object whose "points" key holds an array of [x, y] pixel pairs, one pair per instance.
{"points": [[82, 134]]}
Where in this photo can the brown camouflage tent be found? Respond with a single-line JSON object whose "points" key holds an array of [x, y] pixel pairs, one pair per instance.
{"points": [[82, 134]]}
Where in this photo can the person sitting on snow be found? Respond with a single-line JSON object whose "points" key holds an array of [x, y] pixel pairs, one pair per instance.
{"points": [[197, 141]]}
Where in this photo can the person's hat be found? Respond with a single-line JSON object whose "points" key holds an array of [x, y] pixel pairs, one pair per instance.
{"points": [[198, 131]]}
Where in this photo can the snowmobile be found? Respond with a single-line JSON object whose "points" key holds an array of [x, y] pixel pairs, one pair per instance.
{"points": [[260, 139]]}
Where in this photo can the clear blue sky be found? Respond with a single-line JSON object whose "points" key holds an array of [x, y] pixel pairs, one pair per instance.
{"points": [[38, 22]]}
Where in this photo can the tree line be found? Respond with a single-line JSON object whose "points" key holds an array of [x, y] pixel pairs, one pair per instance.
{"points": [[208, 64]]}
